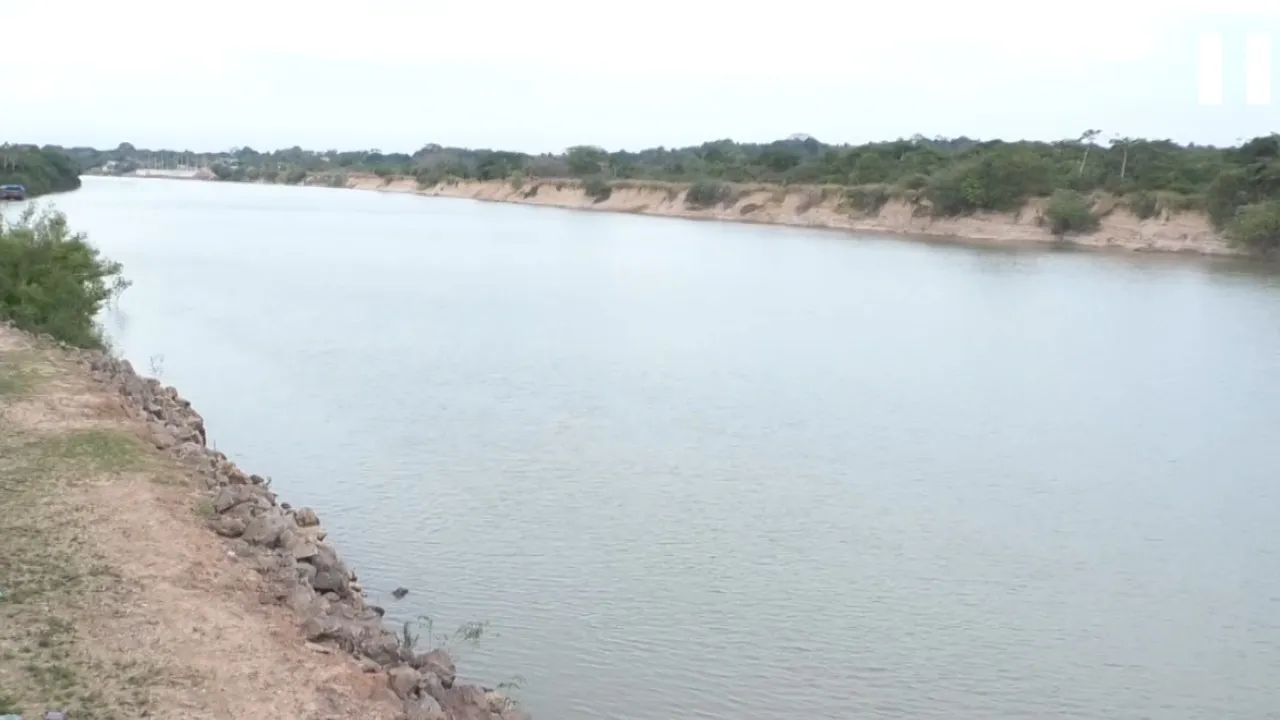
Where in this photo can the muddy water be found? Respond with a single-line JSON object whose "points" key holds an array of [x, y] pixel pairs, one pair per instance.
{"points": [[697, 470]]}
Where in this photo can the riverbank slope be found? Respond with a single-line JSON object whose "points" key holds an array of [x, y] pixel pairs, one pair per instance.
{"points": [[826, 207], [142, 574]]}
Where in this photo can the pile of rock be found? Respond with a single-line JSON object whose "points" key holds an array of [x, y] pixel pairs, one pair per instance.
{"points": [[288, 547]]}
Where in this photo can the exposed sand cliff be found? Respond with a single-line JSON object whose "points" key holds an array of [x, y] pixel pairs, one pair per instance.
{"points": [[812, 207]]}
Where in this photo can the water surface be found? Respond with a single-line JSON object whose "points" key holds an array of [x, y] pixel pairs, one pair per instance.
{"points": [[698, 470]]}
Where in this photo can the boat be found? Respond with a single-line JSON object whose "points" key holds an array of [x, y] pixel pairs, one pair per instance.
{"points": [[13, 192]]}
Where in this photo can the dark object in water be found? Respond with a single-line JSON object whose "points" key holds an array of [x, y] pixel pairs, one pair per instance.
{"points": [[399, 592]]}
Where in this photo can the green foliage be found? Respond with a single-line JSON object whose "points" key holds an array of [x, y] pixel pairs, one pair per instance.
{"points": [[1069, 212], [1257, 226], [955, 176], [1143, 204], [597, 188], [706, 193], [1000, 180], [585, 160], [295, 176], [52, 281], [40, 171], [866, 199]]}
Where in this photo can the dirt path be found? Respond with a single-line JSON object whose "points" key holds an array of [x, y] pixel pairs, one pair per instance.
{"points": [[117, 601]]}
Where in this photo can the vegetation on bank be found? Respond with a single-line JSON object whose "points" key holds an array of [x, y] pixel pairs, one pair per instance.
{"points": [[41, 171], [1080, 178], [53, 281]]}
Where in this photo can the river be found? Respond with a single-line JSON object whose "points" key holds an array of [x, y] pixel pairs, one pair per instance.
{"points": [[700, 470]]}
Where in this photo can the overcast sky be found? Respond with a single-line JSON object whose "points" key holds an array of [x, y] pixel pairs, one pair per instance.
{"points": [[540, 76]]}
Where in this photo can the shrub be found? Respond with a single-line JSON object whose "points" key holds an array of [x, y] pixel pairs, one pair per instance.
{"points": [[1000, 181], [865, 198], [1070, 212], [52, 281], [1257, 226], [597, 188], [1143, 204], [295, 176], [705, 193]]}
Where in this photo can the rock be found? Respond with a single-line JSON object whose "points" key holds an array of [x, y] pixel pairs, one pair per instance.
{"points": [[381, 612], [189, 452], [431, 684], [306, 573], [399, 592], [423, 708], [302, 600], [463, 702], [330, 580], [303, 549], [314, 534], [317, 629], [231, 527], [497, 702], [161, 437], [440, 664], [306, 517], [377, 643], [265, 530], [229, 496], [403, 681], [327, 559], [369, 666]]}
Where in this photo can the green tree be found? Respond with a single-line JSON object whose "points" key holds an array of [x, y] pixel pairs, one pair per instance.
{"points": [[584, 160], [52, 280]]}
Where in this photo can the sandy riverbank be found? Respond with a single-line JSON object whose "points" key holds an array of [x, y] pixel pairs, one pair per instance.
{"points": [[812, 207], [142, 574]]}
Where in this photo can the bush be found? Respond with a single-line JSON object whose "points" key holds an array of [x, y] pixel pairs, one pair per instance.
{"points": [[1257, 226], [1070, 212], [1143, 204], [865, 198], [1000, 181], [295, 176], [706, 193], [52, 281], [597, 188]]}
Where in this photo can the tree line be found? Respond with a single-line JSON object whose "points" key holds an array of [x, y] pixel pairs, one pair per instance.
{"points": [[40, 170], [1237, 187]]}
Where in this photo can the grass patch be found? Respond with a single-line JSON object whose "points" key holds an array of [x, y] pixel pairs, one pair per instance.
{"points": [[204, 509], [53, 576], [14, 381], [88, 451]]}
